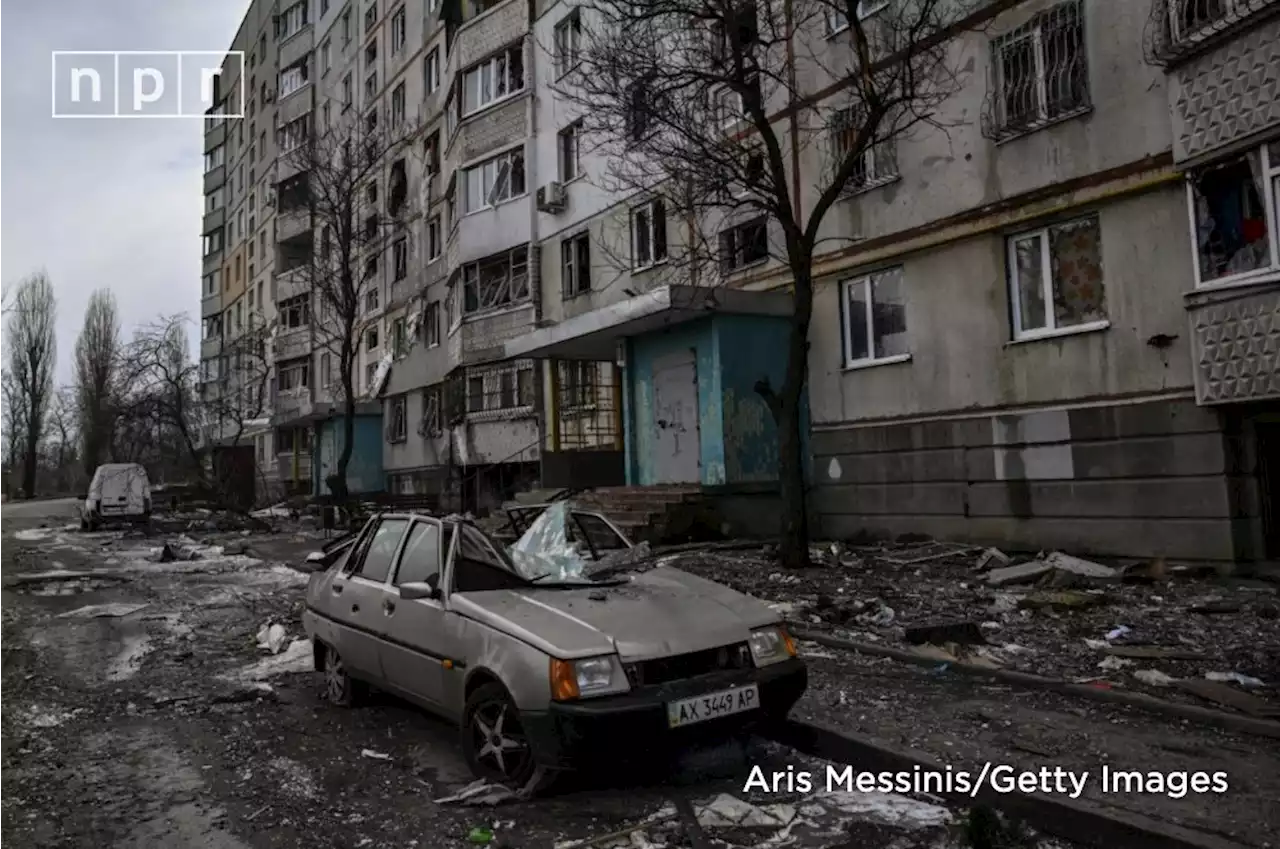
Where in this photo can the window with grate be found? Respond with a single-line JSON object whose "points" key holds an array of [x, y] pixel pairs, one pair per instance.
{"points": [[1041, 72], [875, 165]]}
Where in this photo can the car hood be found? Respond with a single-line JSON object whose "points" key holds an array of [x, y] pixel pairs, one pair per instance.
{"points": [[659, 613]]}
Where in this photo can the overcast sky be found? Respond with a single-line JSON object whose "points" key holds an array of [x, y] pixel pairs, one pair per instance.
{"points": [[102, 202]]}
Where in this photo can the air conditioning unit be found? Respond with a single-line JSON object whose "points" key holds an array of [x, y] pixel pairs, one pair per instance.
{"points": [[552, 197]]}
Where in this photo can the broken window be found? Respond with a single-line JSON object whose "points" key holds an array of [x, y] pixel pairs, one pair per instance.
{"points": [[1042, 72], [874, 314], [397, 419], [494, 181], [295, 312], [494, 79], [577, 385], [568, 34], [640, 112], [1230, 214], [575, 263], [292, 375], [400, 259], [1056, 277], [495, 282], [744, 244], [433, 324], [397, 187], [648, 234], [431, 411]]}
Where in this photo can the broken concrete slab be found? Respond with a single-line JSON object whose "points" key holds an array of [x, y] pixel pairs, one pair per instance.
{"points": [[1230, 697], [1022, 573], [990, 559], [1061, 600], [1155, 652], [114, 610]]}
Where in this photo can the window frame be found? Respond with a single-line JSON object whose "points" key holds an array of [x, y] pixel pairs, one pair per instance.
{"points": [[837, 23], [493, 64], [571, 132], [1033, 30], [401, 19], [400, 259], [1269, 153], [847, 360], [565, 59], [728, 265], [506, 157], [434, 246], [648, 208], [398, 420], [431, 71], [572, 270], [399, 104], [1051, 327], [432, 321]]}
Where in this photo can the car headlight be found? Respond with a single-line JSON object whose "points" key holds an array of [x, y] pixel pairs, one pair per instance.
{"points": [[771, 645], [592, 676]]}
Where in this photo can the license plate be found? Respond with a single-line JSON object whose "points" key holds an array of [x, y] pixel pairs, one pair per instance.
{"points": [[712, 705]]}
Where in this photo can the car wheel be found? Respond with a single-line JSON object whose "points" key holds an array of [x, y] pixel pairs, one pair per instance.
{"points": [[339, 688], [494, 741]]}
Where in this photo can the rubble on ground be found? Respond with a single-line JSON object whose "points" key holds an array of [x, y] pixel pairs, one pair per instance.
{"points": [[1149, 626]]}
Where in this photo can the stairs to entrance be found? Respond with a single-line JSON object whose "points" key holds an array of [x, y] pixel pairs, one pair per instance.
{"points": [[661, 513]]}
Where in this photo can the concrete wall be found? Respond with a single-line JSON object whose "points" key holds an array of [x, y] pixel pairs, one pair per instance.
{"points": [[958, 326], [1148, 479], [364, 472]]}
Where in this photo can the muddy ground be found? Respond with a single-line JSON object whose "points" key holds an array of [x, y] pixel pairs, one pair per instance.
{"points": [[139, 712]]}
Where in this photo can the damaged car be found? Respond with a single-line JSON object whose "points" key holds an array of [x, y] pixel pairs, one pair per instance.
{"points": [[556, 653]]}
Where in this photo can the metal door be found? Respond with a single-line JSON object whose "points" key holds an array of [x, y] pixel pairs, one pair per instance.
{"points": [[677, 448]]}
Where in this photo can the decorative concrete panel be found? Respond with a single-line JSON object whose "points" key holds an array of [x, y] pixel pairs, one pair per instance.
{"points": [[1236, 345], [1229, 93]]}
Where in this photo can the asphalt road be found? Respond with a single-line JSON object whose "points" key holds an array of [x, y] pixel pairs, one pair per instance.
{"points": [[157, 721]]}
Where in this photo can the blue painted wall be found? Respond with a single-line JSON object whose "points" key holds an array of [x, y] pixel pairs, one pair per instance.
{"points": [[738, 437], [364, 472]]}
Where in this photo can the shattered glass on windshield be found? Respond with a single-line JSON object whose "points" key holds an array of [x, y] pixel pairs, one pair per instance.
{"points": [[563, 545]]}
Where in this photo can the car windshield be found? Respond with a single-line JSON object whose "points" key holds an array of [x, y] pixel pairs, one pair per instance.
{"points": [[559, 547]]}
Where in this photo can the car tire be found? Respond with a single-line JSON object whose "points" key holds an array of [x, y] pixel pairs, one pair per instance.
{"points": [[339, 688], [494, 742]]}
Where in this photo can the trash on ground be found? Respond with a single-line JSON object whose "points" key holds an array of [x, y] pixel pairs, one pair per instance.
{"points": [[1154, 677], [1155, 652], [1118, 632], [480, 792], [377, 756], [272, 636], [1061, 600], [1236, 678], [112, 610], [990, 559]]}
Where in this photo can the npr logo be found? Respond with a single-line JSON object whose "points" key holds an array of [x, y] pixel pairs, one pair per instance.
{"points": [[146, 84]]}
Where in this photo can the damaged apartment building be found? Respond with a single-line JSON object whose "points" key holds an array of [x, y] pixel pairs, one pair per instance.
{"points": [[1052, 324]]}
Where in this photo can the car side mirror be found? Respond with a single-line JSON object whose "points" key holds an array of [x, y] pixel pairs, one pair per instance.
{"points": [[316, 561], [429, 589]]}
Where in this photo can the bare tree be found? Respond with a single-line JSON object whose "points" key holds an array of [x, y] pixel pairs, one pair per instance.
{"points": [[14, 415], [32, 355], [749, 121], [335, 183], [172, 414], [61, 439], [96, 365]]}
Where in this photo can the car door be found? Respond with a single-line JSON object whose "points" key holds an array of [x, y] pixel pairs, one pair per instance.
{"points": [[360, 591], [415, 647]]}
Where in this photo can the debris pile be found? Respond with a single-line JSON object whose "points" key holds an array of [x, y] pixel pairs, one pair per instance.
{"points": [[1177, 632]]}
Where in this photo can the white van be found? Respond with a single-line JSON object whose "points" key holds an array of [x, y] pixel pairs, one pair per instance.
{"points": [[119, 492]]}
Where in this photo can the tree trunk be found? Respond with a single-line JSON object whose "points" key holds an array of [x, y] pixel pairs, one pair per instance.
{"points": [[31, 460], [793, 550], [338, 480]]}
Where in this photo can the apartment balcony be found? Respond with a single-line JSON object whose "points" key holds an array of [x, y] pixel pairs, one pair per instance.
{"points": [[290, 284], [295, 105], [1235, 343], [291, 344], [482, 338], [211, 305], [213, 220], [297, 47], [477, 38], [291, 224], [215, 136], [210, 348], [215, 178], [292, 406]]}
